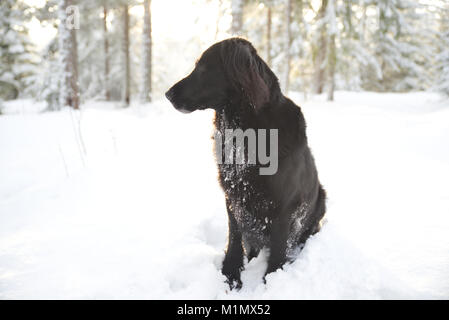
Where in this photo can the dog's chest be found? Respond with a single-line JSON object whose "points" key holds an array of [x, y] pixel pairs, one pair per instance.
{"points": [[245, 190], [255, 228], [248, 202]]}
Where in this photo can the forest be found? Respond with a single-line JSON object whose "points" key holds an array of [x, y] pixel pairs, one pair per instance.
{"points": [[108, 192], [111, 50]]}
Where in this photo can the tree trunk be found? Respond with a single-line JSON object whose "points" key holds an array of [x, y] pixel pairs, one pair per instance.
{"points": [[269, 35], [237, 17], [68, 59], [332, 59], [107, 93], [64, 56], [147, 54], [332, 52], [74, 79], [363, 24], [287, 42], [125, 48], [320, 55]]}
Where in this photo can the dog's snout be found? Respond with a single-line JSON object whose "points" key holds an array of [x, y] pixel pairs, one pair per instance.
{"points": [[169, 94]]}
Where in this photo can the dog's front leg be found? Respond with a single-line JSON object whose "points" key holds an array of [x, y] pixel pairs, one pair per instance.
{"points": [[278, 244], [233, 261]]}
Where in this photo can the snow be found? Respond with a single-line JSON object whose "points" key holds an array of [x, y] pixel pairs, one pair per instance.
{"points": [[124, 203]]}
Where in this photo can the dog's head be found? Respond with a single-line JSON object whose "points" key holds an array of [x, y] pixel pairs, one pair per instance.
{"points": [[230, 69]]}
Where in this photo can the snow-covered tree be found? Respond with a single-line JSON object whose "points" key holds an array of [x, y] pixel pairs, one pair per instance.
{"points": [[49, 91], [269, 5], [356, 51], [324, 49], [68, 55], [300, 51], [442, 57], [443, 66], [266, 34], [94, 46], [331, 58], [125, 55], [100, 36], [320, 48], [287, 45], [145, 93], [237, 17], [398, 50], [281, 41], [113, 60], [48, 79], [106, 88], [18, 56]]}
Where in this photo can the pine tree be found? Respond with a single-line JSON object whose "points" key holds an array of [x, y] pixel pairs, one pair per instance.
{"points": [[100, 37], [357, 63], [398, 49], [18, 57], [442, 58], [50, 77], [101, 62]]}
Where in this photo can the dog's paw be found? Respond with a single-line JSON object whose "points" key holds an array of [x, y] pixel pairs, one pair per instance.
{"points": [[272, 269], [233, 279], [234, 284]]}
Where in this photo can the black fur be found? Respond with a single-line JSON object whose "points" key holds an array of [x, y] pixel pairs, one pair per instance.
{"points": [[277, 211]]}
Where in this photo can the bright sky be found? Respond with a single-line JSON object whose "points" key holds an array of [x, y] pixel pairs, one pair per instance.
{"points": [[39, 34], [167, 19]]}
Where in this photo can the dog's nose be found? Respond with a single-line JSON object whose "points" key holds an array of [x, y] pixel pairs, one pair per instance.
{"points": [[169, 94]]}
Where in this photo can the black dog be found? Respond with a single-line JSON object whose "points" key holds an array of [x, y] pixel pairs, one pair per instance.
{"points": [[278, 211]]}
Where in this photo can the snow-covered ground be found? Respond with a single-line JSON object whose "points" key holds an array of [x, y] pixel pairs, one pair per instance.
{"points": [[112, 203]]}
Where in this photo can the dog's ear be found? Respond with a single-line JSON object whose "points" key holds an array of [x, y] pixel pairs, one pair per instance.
{"points": [[245, 72]]}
